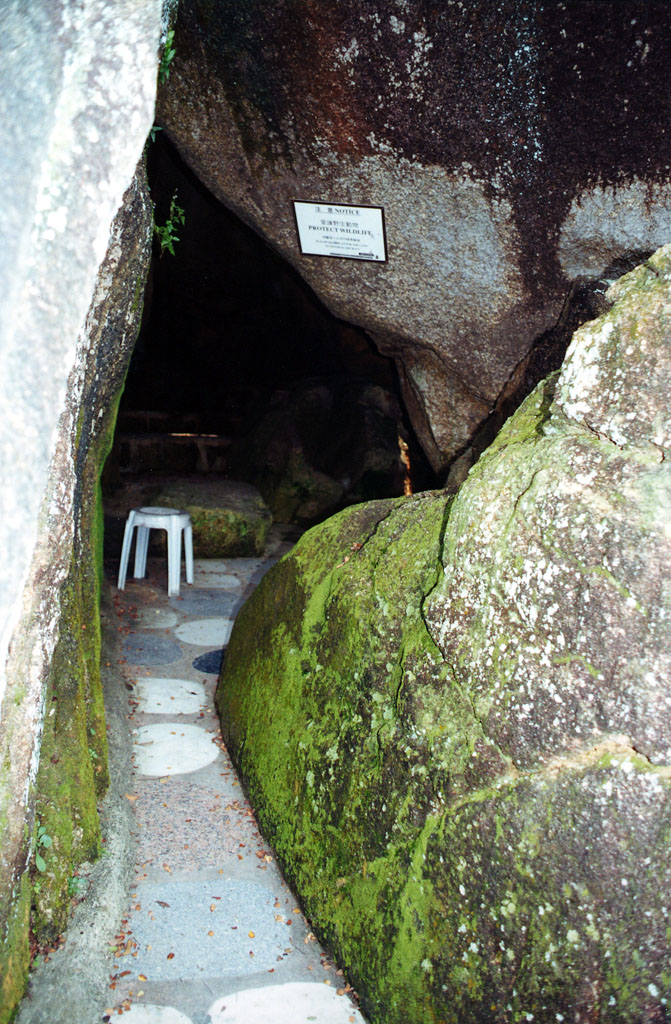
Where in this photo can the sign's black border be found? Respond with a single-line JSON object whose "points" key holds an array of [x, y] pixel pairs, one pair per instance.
{"points": [[335, 255]]}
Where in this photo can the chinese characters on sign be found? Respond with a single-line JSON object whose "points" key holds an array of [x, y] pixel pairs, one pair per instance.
{"points": [[333, 229]]}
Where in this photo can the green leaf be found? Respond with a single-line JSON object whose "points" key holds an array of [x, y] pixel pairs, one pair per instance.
{"points": [[40, 862], [46, 841], [167, 57]]}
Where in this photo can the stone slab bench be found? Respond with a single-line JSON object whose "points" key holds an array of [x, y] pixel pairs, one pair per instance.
{"points": [[230, 519]]}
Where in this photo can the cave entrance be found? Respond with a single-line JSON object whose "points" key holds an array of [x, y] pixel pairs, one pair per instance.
{"points": [[239, 370]]}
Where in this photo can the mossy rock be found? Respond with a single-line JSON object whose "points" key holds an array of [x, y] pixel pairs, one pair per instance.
{"points": [[453, 720], [15, 952], [56, 649], [229, 518]]}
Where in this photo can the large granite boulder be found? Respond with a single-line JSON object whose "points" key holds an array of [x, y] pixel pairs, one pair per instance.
{"points": [[514, 146], [76, 104], [453, 717]]}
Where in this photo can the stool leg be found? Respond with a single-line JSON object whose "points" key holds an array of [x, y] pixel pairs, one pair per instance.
{"points": [[188, 552], [174, 557], [141, 545], [125, 552]]}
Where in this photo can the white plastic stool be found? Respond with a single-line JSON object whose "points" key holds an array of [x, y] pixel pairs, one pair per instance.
{"points": [[153, 517]]}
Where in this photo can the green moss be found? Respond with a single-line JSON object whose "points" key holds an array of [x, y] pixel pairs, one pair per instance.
{"points": [[15, 952], [225, 534], [73, 771], [319, 772], [528, 421], [452, 886], [70, 763], [228, 521]]}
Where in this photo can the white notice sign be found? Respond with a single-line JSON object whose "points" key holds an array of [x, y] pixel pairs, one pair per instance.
{"points": [[335, 229]]}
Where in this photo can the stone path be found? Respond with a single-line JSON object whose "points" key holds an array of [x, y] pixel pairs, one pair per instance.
{"points": [[212, 934]]}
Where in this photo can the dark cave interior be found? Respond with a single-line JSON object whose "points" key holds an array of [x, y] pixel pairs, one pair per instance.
{"points": [[238, 354]]}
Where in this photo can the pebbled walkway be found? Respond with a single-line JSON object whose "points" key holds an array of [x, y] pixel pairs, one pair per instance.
{"points": [[212, 934]]}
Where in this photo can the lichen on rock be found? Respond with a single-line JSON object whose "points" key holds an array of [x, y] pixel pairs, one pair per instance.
{"points": [[452, 715], [64, 593]]}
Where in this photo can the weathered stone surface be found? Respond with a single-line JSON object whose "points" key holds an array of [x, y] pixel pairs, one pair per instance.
{"points": [[453, 716], [479, 127], [623, 355], [77, 103], [555, 600], [229, 518]]}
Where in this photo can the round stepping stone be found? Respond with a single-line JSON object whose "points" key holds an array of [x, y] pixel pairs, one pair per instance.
{"points": [[213, 572], [148, 649], [205, 632], [172, 749], [293, 1003], [177, 918], [244, 567], [170, 696], [209, 663], [156, 618], [208, 601], [144, 1013]]}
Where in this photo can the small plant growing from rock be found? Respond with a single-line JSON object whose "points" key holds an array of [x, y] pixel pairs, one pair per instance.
{"points": [[44, 842], [76, 887], [167, 57], [167, 233]]}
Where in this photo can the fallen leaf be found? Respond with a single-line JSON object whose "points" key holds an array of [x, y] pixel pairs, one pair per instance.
{"points": [[251, 935], [142, 977], [170, 956]]}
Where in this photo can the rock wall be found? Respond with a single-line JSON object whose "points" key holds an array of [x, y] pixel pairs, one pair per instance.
{"points": [[515, 146], [453, 717], [76, 104]]}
